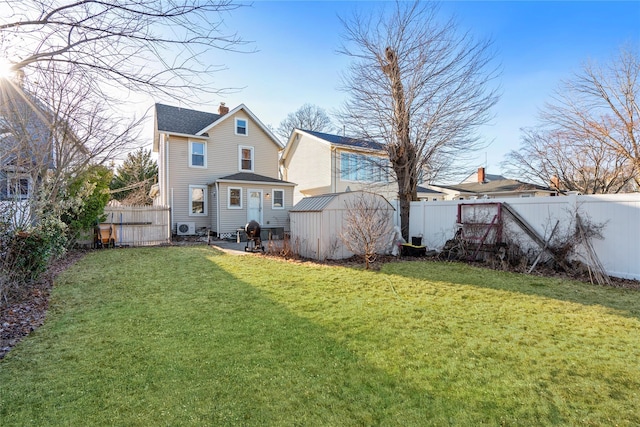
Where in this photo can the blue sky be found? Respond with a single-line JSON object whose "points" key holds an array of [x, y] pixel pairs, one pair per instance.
{"points": [[538, 44]]}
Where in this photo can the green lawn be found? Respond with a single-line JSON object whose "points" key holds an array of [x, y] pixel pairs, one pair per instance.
{"points": [[191, 336]]}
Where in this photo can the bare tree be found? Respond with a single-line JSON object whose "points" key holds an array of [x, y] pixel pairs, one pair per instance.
{"points": [[557, 159], [420, 87], [131, 45], [588, 133], [367, 226], [308, 117]]}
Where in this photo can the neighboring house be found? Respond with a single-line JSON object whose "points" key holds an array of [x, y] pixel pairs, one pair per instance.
{"points": [[218, 171], [480, 185], [25, 148], [26, 151], [321, 163]]}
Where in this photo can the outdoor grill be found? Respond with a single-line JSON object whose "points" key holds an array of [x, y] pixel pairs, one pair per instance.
{"points": [[254, 243]]}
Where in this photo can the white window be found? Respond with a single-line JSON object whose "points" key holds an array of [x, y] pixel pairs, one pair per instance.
{"points": [[277, 200], [197, 154], [235, 198], [241, 127], [245, 157], [14, 186], [197, 200]]}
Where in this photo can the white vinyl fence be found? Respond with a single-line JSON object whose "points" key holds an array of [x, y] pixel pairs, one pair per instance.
{"points": [[618, 250], [139, 225]]}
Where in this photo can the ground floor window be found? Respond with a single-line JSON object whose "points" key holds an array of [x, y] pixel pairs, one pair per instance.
{"points": [[277, 201], [235, 198], [198, 200]]}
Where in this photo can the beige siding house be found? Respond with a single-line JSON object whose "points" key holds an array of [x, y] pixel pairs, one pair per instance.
{"points": [[321, 163], [219, 171]]}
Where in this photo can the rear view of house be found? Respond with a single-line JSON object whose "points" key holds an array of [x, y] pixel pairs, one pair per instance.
{"points": [[219, 171]]}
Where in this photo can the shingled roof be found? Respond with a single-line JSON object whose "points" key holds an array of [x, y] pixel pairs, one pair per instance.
{"points": [[346, 141], [183, 120], [253, 177], [501, 185]]}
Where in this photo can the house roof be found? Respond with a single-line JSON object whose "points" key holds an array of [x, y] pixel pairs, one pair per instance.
{"points": [[23, 117], [345, 140], [497, 186], [182, 120], [185, 121], [252, 177], [421, 189]]}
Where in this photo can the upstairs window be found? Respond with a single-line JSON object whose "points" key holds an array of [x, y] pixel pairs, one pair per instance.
{"points": [[246, 159], [197, 154], [241, 127]]}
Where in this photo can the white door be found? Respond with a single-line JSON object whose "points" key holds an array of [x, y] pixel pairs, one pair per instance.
{"points": [[254, 208]]}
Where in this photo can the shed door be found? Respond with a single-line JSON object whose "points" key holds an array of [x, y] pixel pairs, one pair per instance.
{"points": [[254, 208]]}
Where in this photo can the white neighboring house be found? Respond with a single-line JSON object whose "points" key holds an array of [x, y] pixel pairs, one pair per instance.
{"points": [[218, 171], [321, 163]]}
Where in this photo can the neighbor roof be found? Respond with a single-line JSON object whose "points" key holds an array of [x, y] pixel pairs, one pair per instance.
{"points": [[497, 186], [344, 140], [183, 120]]}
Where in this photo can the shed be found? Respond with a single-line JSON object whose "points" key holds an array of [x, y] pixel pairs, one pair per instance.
{"points": [[316, 223]]}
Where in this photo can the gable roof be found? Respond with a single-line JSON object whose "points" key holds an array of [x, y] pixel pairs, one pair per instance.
{"points": [[24, 118], [182, 120], [332, 139], [187, 122]]}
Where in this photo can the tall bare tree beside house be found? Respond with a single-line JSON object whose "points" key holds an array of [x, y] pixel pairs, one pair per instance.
{"points": [[588, 136], [421, 87], [308, 117]]}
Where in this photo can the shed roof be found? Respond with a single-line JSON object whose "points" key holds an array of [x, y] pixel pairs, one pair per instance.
{"points": [[322, 201]]}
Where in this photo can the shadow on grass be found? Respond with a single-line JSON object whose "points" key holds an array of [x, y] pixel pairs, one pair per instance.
{"points": [[625, 301], [164, 336]]}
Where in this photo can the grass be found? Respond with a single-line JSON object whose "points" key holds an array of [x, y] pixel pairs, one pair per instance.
{"points": [[190, 336]]}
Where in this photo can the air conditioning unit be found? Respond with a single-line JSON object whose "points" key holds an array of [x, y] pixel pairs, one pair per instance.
{"points": [[186, 228]]}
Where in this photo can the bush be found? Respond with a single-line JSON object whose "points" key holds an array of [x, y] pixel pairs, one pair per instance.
{"points": [[26, 254]]}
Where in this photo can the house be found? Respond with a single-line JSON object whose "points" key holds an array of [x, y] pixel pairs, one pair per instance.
{"points": [[25, 150], [219, 171], [480, 185], [321, 163]]}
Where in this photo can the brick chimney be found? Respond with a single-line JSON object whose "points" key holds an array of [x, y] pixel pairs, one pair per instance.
{"points": [[555, 182], [481, 175], [223, 109]]}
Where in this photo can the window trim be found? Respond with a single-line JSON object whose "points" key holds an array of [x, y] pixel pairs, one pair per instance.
{"points": [[246, 127], [204, 189], [252, 149], [229, 205], [204, 161], [273, 199]]}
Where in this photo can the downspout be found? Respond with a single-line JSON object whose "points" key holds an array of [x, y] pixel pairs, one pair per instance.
{"points": [[334, 169], [218, 208]]}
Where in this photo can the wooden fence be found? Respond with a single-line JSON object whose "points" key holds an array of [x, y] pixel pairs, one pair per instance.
{"points": [[619, 214], [139, 225]]}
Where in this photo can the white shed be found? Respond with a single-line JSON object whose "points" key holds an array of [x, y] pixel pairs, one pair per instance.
{"points": [[317, 222]]}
